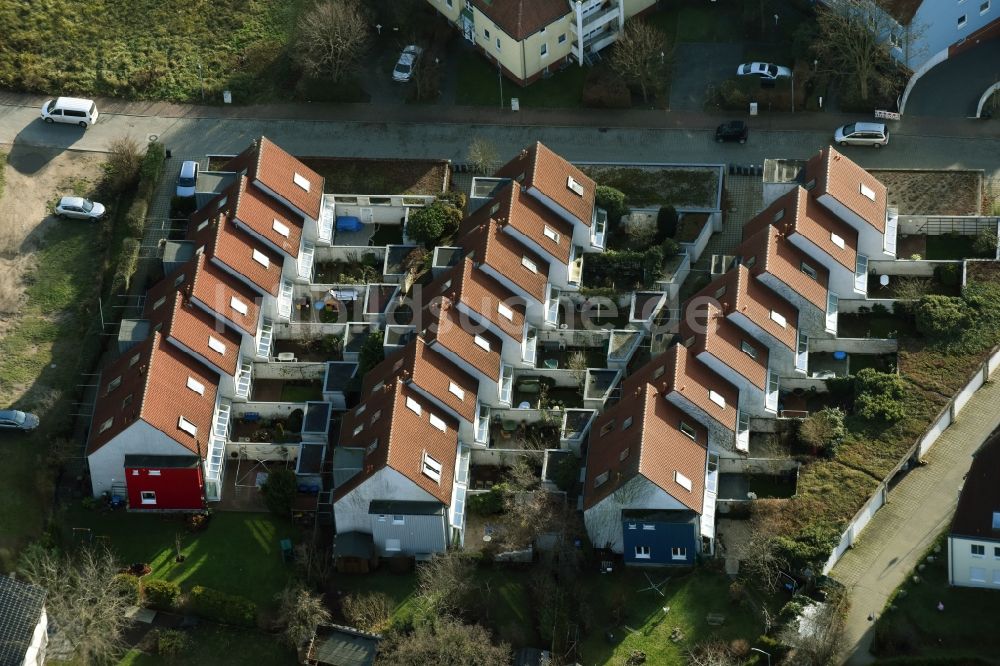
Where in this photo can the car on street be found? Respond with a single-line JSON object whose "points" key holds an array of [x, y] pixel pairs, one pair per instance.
{"points": [[862, 134], [765, 70], [79, 208], [734, 130], [187, 179], [15, 419], [403, 71]]}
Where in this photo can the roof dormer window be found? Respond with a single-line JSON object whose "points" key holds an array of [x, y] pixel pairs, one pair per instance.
{"points": [[413, 406], [683, 481], [601, 479], [301, 181], [431, 468], [529, 264], [551, 233], [505, 312], [777, 216], [238, 305], [867, 192], [281, 228], [437, 423], [216, 345], [261, 258], [837, 240], [779, 319], [482, 342], [187, 426], [196, 386], [456, 390]]}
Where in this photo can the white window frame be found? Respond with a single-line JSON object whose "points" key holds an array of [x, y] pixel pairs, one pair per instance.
{"points": [[187, 426], [154, 472], [808, 270], [358, 428], [643, 553], [107, 424], [748, 349], [456, 390], [866, 191], [550, 233], [678, 553], [413, 406], [529, 264], [393, 546], [281, 227], [431, 468], [398, 520], [238, 305], [147, 497], [482, 342], [717, 398], [301, 181], [627, 423], [962, 21], [682, 481], [437, 423], [216, 344], [601, 479], [779, 319], [544, 50], [977, 550], [195, 385], [984, 7], [802, 352], [688, 430], [261, 258], [505, 312], [838, 240]]}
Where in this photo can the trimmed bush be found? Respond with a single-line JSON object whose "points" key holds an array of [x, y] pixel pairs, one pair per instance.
{"points": [[221, 607], [666, 223], [612, 201], [455, 197], [942, 317], [879, 395], [430, 224], [488, 504], [161, 593], [279, 491], [171, 643], [129, 585], [948, 274]]}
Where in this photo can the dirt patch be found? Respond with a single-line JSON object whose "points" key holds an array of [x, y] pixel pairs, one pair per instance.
{"points": [[34, 178], [680, 187], [919, 192]]}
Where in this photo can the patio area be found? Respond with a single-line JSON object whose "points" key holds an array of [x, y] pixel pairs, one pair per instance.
{"points": [[372, 235], [557, 356], [508, 433], [328, 306], [318, 349]]}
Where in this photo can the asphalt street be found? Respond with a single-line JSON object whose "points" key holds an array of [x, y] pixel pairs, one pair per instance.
{"points": [[199, 136]]}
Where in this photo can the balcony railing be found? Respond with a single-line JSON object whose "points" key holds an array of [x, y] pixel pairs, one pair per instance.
{"points": [[576, 266], [597, 18], [891, 227], [264, 339], [285, 299], [327, 217], [306, 260], [244, 376]]}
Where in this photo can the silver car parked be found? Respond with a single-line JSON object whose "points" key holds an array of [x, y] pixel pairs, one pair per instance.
{"points": [[79, 208], [862, 134], [15, 419]]}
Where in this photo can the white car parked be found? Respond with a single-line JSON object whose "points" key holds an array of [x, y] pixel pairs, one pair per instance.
{"points": [[862, 134], [403, 71], [79, 208], [187, 179], [764, 70]]}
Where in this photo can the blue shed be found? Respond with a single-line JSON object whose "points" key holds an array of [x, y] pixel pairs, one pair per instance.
{"points": [[660, 538]]}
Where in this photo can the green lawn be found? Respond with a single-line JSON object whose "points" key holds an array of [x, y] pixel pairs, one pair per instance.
{"points": [[478, 86], [238, 553], [690, 598], [966, 629], [400, 588], [41, 358], [150, 50], [950, 247], [214, 644]]}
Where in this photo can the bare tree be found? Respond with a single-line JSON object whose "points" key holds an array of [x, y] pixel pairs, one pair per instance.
{"points": [[855, 37], [759, 556], [445, 583], [333, 36], [639, 56], [124, 158], [483, 154], [368, 612], [299, 613], [443, 641], [821, 640], [313, 561], [86, 600], [713, 653], [528, 509]]}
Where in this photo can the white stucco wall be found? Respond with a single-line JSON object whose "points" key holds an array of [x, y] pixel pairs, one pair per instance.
{"points": [[964, 568], [107, 464], [351, 512], [604, 519]]}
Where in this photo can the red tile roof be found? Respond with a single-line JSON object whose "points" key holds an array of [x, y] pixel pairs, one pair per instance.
{"points": [[677, 369], [529, 217], [217, 289], [265, 215], [716, 335], [842, 179], [429, 371], [486, 244], [797, 212], [212, 230], [522, 18], [653, 446], [737, 292], [402, 438], [772, 253], [540, 168], [443, 324], [185, 323], [470, 286], [154, 387], [275, 169]]}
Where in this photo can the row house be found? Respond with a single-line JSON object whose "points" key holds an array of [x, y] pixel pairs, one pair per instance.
{"points": [[398, 473]]}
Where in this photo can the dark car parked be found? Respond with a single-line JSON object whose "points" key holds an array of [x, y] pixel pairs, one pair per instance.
{"points": [[734, 130]]}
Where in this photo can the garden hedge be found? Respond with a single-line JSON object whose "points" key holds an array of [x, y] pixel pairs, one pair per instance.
{"points": [[221, 607]]}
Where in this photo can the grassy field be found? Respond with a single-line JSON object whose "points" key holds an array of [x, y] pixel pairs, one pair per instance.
{"points": [[478, 86], [238, 553], [911, 625], [213, 644], [41, 358], [645, 626], [148, 49]]}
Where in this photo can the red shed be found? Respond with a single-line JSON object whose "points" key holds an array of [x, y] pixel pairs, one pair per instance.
{"points": [[164, 483]]}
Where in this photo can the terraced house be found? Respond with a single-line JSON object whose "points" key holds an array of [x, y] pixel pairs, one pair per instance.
{"points": [[530, 39]]}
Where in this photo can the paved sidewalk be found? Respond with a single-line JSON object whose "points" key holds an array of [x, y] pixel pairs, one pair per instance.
{"points": [[919, 507], [480, 115]]}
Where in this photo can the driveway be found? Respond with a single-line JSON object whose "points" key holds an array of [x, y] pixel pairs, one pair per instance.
{"points": [[953, 88], [696, 65]]}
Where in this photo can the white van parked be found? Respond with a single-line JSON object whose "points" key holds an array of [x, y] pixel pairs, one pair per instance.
{"points": [[82, 112]]}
